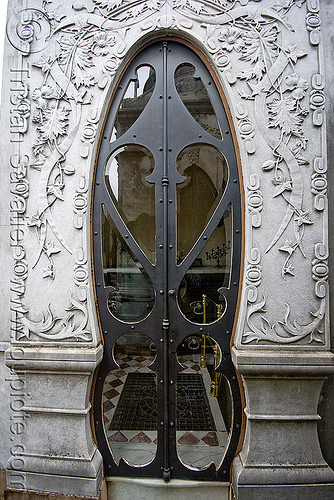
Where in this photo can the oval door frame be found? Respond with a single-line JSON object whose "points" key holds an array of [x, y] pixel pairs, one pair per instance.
{"points": [[160, 466]]}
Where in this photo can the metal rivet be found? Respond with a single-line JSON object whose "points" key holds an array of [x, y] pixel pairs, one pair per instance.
{"points": [[100, 378], [161, 246], [161, 340], [97, 422], [226, 132], [109, 466], [120, 87], [132, 327], [169, 97], [235, 181], [172, 424], [105, 137], [201, 329], [209, 83], [160, 96], [161, 149], [171, 382], [105, 332], [99, 284], [170, 246], [200, 136], [161, 200], [162, 422], [237, 231], [161, 292], [134, 135], [171, 341], [161, 381], [170, 149], [97, 183], [171, 293], [126, 236], [170, 201], [235, 283], [96, 233], [237, 426], [227, 332]]}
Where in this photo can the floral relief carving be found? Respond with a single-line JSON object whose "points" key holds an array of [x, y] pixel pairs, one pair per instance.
{"points": [[72, 326], [286, 331], [254, 46]]}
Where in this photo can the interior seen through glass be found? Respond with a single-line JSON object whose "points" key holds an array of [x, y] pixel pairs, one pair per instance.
{"points": [[203, 402], [198, 296], [196, 99], [126, 171], [203, 417], [206, 174], [136, 96], [132, 293], [130, 401]]}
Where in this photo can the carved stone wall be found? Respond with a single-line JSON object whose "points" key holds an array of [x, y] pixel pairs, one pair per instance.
{"points": [[62, 63], [268, 56]]}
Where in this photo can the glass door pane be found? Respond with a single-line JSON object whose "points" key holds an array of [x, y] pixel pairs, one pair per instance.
{"points": [[203, 404], [130, 401]]}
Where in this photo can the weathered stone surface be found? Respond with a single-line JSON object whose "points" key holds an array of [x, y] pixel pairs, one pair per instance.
{"points": [[62, 62]]}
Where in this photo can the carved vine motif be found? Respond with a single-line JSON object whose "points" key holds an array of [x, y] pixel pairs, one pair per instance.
{"points": [[287, 331], [269, 82], [268, 69], [274, 85], [72, 326]]}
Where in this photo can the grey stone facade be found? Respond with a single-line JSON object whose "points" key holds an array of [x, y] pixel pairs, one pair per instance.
{"points": [[273, 61]]}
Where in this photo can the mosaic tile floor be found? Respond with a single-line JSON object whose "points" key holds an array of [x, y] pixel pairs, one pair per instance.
{"points": [[137, 406], [138, 447]]}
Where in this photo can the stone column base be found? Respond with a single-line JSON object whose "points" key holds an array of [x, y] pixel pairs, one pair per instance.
{"points": [[281, 456], [55, 450]]}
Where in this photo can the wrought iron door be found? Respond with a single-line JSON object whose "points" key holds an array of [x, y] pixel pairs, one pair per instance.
{"points": [[167, 249]]}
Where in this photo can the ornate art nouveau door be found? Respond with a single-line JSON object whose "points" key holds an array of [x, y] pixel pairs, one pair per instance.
{"points": [[167, 249]]}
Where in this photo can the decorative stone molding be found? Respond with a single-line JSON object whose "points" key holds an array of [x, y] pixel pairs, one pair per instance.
{"points": [[63, 63], [281, 455], [67, 56], [57, 452]]}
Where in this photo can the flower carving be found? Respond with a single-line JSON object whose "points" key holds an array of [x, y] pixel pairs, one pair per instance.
{"points": [[42, 95], [102, 43], [231, 38], [297, 84]]}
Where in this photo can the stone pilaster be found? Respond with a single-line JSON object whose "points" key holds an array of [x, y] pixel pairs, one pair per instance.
{"points": [[57, 452], [281, 456]]}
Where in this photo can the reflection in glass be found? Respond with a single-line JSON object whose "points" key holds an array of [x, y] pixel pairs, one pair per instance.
{"points": [[196, 99], [204, 408], [137, 94], [125, 173], [198, 296], [206, 172], [130, 401], [132, 297]]}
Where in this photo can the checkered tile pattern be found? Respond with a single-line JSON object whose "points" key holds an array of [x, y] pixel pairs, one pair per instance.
{"points": [[113, 387]]}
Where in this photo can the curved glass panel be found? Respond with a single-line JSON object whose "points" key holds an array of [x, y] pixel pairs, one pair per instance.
{"points": [[132, 297], [204, 406], [206, 172], [196, 99], [125, 174], [136, 96], [130, 401], [198, 296]]}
